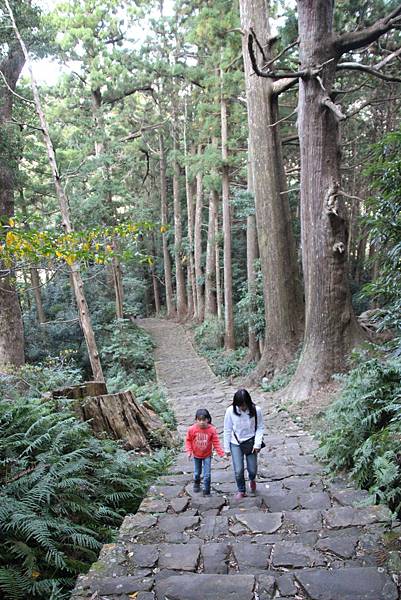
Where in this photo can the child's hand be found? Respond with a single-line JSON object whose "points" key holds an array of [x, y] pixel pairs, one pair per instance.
{"points": [[228, 454], [190, 456]]}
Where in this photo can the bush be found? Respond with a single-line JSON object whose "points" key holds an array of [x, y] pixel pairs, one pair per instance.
{"points": [[364, 428], [209, 335], [230, 363], [63, 493]]}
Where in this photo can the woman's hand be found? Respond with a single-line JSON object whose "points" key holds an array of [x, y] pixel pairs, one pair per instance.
{"points": [[228, 454], [256, 450]]}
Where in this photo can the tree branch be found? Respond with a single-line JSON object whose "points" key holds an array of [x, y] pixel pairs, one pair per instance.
{"points": [[269, 74], [357, 39], [12, 91], [113, 99], [350, 66]]}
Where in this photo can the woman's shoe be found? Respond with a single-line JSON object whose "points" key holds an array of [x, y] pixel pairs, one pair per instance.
{"points": [[239, 495]]}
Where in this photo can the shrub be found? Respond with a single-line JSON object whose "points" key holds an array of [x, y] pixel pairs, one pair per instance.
{"points": [[62, 494], [209, 335], [364, 428]]}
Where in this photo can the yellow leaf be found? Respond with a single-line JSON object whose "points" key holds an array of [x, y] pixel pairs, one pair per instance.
{"points": [[35, 574], [163, 229], [109, 248], [11, 222], [133, 596]]}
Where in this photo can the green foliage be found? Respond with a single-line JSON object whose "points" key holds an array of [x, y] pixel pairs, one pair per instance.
{"points": [[209, 335], [127, 355], [364, 428], [63, 492], [384, 222], [282, 378], [232, 363]]}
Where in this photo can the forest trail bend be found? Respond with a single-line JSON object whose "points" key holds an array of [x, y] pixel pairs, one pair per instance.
{"points": [[302, 536]]}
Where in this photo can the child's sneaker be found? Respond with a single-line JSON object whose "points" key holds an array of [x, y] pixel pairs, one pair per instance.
{"points": [[206, 493], [252, 486], [197, 487], [239, 495]]}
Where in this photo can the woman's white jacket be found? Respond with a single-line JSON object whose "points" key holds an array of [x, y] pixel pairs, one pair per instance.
{"points": [[243, 426]]}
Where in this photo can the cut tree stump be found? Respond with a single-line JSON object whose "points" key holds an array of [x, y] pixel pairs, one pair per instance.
{"points": [[118, 416]]}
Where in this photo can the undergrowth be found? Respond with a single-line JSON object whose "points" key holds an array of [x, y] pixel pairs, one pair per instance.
{"points": [[364, 428]]}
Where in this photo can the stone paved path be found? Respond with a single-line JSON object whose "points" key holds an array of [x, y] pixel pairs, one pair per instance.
{"points": [[301, 537]]}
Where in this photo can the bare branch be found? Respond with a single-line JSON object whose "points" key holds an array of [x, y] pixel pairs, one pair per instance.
{"points": [[12, 91], [136, 134], [113, 99], [350, 66], [284, 118], [388, 59], [335, 108], [273, 60], [370, 102], [282, 85], [269, 74]]}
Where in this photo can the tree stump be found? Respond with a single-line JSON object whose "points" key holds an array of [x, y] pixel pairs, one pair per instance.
{"points": [[118, 416]]}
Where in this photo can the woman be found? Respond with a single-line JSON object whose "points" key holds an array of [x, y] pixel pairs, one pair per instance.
{"points": [[243, 437]]}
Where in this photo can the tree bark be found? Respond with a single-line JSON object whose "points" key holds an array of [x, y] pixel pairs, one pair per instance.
{"points": [[191, 285], [252, 253], [210, 268], [36, 287], [331, 329], [229, 341], [83, 309], [199, 276], [282, 288], [168, 280], [11, 325], [179, 270]]}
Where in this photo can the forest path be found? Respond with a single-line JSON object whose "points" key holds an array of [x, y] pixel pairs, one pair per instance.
{"points": [[302, 536]]}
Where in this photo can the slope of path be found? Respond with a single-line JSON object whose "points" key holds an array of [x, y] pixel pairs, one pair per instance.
{"points": [[301, 537]]}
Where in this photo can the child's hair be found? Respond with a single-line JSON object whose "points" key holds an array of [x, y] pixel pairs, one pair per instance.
{"points": [[203, 413], [242, 397]]}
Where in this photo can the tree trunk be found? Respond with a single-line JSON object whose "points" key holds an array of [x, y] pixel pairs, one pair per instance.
{"points": [[219, 300], [119, 416], [179, 269], [252, 253], [331, 329], [36, 286], [11, 325], [83, 310], [100, 148], [191, 285], [282, 288], [210, 268], [168, 280], [229, 341], [200, 298]]}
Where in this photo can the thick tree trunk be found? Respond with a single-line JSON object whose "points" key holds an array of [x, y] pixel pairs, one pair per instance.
{"points": [[84, 315], [252, 253], [229, 341], [282, 288], [210, 268], [36, 287], [200, 298], [168, 280], [331, 329], [11, 325], [219, 300], [179, 269]]}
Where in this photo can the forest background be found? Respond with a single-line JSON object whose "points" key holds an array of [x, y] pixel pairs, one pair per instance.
{"points": [[235, 167]]}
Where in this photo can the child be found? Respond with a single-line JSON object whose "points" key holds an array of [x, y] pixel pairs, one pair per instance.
{"points": [[200, 440], [243, 426]]}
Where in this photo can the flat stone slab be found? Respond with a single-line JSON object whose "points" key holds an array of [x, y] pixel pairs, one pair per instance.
{"points": [[166, 491], [315, 500], [251, 557], [279, 502], [213, 527], [215, 557], [142, 555], [342, 546], [261, 522], [179, 504], [208, 502], [177, 524], [206, 587], [179, 557], [121, 585], [153, 505], [354, 583], [294, 555], [347, 516], [304, 520]]}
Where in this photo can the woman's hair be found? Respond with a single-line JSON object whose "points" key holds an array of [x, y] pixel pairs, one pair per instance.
{"points": [[203, 413], [243, 397]]}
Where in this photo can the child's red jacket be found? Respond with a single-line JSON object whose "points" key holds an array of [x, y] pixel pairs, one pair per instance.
{"points": [[200, 441]]}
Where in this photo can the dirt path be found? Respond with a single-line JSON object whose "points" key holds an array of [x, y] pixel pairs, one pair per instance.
{"points": [[302, 536]]}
